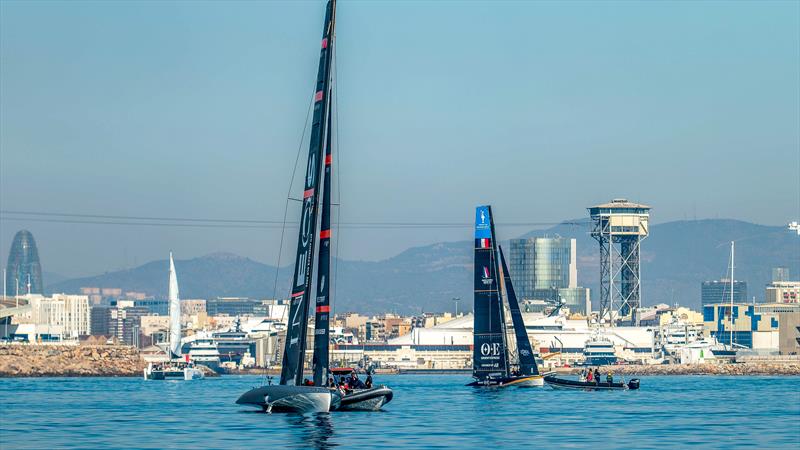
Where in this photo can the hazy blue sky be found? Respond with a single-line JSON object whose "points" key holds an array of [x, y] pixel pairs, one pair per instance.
{"points": [[196, 109]]}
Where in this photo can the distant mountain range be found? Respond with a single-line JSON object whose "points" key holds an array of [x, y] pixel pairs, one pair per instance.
{"points": [[676, 258]]}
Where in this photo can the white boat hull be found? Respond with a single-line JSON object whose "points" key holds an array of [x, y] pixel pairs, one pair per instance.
{"points": [[533, 381], [171, 373], [299, 399], [191, 373]]}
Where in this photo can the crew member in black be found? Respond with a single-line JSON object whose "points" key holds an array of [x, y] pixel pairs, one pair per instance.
{"points": [[368, 383], [355, 383]]}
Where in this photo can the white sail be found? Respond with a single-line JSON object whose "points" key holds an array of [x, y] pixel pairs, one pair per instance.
{"points": [[174, 311]]}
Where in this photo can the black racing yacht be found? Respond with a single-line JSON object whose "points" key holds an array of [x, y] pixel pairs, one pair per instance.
{"points": [[491, 366], [294, 393]]}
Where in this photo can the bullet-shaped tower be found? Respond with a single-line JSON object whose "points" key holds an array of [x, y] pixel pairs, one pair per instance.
{"points": [[619, 227]]}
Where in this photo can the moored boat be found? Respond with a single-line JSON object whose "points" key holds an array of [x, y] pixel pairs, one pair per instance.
{"points": [[599, 351], [175, 367]]}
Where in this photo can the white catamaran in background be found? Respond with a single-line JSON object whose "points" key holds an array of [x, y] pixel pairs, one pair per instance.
{"points": [[174, 368]]}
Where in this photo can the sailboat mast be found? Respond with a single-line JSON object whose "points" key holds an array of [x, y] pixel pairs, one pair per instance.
{"points": [[320, 359], [500, 304], [733, 250], [295, 346]]}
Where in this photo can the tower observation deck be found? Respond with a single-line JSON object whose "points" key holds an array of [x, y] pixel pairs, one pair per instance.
{"points": [[619, 227]]}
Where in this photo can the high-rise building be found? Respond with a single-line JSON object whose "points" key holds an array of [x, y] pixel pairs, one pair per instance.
{"points": [[99, 320], [125, 323], [24, 270], [545, 269], [543, 265], [719, 291]]}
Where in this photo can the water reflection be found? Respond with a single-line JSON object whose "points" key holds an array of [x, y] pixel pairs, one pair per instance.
{"points": [[315, 430]]}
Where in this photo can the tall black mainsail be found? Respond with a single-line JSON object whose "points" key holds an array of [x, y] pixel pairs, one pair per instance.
{"points": [[322, 339], [527, 360], [489, 357], [295, 346]]}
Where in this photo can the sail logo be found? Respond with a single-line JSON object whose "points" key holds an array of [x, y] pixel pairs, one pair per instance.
{"points": [[488, 349], [487, 278], [524, 352], [306, 223]]}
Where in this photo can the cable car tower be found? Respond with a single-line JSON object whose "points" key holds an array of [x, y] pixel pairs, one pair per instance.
{"points": [[620, 226]]}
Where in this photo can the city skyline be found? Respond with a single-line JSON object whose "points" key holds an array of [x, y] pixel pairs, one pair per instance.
{"points": [[191, 120]]}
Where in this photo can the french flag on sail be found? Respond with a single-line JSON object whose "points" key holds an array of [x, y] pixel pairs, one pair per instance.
{"points": [[486, 272], [484, 243]]}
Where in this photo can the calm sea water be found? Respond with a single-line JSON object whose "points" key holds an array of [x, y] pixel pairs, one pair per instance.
{"points": [[428, 412]]}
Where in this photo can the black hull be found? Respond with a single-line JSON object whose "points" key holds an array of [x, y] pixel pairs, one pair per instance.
{"points": [[564, 383], [366, 399]]}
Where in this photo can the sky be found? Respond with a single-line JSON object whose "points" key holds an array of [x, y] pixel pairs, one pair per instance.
{"points": [[197, 110]]}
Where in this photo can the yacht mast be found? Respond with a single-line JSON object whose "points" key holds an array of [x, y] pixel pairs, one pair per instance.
{"points": [[295, 346], [732, 263]]}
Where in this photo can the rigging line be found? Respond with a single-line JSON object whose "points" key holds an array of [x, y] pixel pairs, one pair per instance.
{"points": [[337, 147], [289, 197], [102, 216], [147, 224], [121, 220], [342, 225]]}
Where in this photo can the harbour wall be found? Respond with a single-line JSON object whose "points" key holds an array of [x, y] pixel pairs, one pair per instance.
{"points": [[19, 360], [748, 368]]}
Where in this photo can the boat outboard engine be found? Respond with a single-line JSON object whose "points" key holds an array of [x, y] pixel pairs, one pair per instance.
{"points": [[633, 384]]}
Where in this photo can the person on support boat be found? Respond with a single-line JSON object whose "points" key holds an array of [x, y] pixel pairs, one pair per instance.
{"points": [[610, 377], [355, 383], [596, 375], [368, 382], [590, 375]]}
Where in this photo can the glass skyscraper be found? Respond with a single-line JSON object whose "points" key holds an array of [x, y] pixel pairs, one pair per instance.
{"points": [[23, 269], [542, 264], [545, 269], [719, 291]]}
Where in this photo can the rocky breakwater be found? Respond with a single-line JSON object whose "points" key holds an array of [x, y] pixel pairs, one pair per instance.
{"points": [[755, 368], [69, 361]]}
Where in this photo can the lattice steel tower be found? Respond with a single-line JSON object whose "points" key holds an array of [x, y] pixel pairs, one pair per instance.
{"points": [[620, 227]]}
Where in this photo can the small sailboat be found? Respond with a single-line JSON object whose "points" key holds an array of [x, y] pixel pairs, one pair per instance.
{"points": [[174, 368], [490, 360], [294, 393]]}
